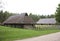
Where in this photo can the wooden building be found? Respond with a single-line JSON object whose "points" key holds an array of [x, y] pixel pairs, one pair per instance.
{"points": [[47, 21], [22, 21]]}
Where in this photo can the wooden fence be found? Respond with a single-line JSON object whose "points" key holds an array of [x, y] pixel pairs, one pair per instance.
{"points": [[47, 27]]}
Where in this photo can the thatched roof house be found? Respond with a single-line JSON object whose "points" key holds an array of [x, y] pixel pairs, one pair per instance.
{"points": [[21, 20], [47, 21]]}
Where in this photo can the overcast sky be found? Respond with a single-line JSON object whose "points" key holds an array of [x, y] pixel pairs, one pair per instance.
{"points": [[38, 7]]}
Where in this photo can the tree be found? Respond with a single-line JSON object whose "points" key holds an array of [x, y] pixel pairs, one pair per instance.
{"points": [[1, 16], [57, 14], [4, 15], [42, 16], [37, 17], [34, 17], [50, 16]]}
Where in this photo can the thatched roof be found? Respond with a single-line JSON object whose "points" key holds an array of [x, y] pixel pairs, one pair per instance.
{"points": [[22, 18], [47, 21]]}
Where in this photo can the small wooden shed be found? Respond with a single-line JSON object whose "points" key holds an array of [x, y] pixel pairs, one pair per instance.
{"points": [[22, 21]]}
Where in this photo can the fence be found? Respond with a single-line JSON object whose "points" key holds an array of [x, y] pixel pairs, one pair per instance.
{"points": [[47, 27]]}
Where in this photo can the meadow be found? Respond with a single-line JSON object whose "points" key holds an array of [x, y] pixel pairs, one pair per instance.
{"points": [[10, 34]]}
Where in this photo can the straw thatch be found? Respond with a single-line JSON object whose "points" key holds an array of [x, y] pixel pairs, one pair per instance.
{"points": [[21, 19], [47, 21]]}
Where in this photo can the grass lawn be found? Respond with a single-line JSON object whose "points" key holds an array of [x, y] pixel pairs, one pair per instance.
{"points": [[10, 34]]}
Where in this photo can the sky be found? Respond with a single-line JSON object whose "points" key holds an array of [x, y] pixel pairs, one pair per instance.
{"points": [[39, 7]]}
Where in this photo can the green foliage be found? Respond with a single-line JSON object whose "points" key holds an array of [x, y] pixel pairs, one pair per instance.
{"points": [[34, 17], [1, 14], [42, 16], [57, 14], [37, 17], [50, 16], [9, 34], [4, 15]]}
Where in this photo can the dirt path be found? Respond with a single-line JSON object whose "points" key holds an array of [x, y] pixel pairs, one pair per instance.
{"points": [[49, 37]]}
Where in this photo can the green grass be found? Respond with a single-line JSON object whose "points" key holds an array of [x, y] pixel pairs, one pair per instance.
{"points": [[10, 34]]}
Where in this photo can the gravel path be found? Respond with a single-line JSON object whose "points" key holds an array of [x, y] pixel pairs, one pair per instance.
{"points": [[49, 37]]}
